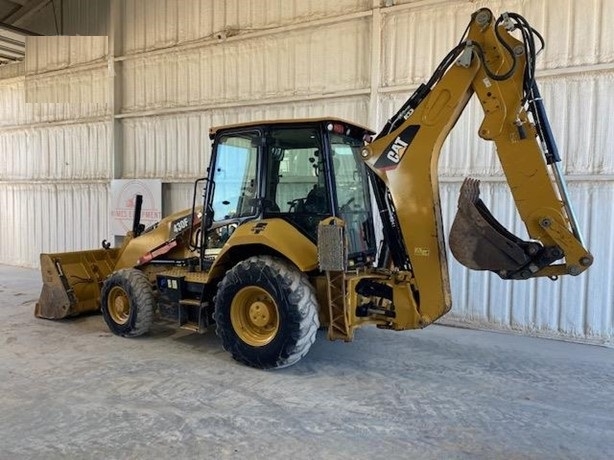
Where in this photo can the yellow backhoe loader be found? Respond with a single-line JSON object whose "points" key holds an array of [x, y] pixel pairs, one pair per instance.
{"points": [[284, 241]]}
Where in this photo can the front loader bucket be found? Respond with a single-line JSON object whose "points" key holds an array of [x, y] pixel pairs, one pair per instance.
{"points": [[72, 282], [480, 242]]}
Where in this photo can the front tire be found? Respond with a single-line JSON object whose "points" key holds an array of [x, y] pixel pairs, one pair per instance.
{"points": [[266, 313], [127, 303]]}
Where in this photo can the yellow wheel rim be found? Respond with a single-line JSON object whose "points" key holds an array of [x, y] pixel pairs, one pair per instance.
{"points": [[254, 316], [118, 305]]}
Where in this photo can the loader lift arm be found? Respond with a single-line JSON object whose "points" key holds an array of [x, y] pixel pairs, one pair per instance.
{"points": [[499, 69]]}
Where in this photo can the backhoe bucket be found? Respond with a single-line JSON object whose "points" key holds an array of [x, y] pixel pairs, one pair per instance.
{"points": [[72, 282], [480, 242]]}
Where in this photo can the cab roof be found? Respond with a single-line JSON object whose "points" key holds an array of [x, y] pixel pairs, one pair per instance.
{"points": [[296, 121]]}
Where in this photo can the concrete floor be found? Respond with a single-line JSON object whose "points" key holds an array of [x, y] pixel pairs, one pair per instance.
{"points": [[70, 389]]}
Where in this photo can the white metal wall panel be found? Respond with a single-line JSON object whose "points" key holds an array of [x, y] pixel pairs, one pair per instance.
{"points": [[161, 23], [78, 85], [15, 111], [51, 218], [64, 152], [178, 195], [166, 147], [84, 86], [14, 70], [416, 40], [281, 65], [177, 147], [52, 53], [578, 106]]}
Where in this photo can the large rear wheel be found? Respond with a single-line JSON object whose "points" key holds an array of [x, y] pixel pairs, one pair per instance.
{"points": [[266, 313], [127, 302]]}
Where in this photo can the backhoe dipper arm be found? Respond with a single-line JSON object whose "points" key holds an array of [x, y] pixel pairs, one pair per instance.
{"points": [[499, 70]]}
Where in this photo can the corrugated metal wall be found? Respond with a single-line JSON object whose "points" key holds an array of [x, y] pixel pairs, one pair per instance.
{"points": [[181, 66]]}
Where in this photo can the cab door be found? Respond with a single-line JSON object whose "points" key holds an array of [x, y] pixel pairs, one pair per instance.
{"points": [[234, 187]]}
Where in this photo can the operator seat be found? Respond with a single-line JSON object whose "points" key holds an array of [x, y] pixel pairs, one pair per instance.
{"points": [[270, 206], [315, 202]]}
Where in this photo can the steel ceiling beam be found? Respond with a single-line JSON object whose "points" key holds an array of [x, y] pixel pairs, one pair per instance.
{"points": [[18, 30], [27, 10]]}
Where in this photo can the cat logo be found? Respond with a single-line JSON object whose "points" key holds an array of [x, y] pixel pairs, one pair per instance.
{"points": [[259, 228], [397, 149]]}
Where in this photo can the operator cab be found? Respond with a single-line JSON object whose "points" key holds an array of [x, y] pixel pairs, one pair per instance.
{"points": [[301, 172]]}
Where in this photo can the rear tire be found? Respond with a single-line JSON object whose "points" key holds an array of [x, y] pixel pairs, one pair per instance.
{"points": [[127, 303], [266, 313]]}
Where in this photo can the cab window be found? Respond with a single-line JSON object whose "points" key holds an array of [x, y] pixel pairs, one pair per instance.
{"points": [[297, 181], [234, 175], [297, 188]]}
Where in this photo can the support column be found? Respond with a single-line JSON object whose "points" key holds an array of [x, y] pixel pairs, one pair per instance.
{"points": [[115, 94], [376, 57], [116, 90]]}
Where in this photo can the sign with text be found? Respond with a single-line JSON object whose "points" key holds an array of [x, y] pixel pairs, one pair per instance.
{"points": [[123, 201]]}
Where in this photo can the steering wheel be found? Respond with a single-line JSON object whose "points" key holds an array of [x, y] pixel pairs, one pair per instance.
{"points": [[346, 206]]}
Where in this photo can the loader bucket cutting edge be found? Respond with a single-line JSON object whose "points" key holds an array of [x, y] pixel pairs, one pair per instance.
{"points": [[479, 241], [72, 282]]}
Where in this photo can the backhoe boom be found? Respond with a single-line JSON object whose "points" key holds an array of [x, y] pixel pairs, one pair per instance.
{"points": [[498, 69]]}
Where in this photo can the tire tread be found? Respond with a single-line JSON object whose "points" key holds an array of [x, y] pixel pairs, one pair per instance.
{"points": [[137, 286], [302, 311]]}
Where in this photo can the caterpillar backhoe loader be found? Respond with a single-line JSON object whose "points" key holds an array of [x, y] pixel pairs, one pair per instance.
{"points": [[284, 241]]}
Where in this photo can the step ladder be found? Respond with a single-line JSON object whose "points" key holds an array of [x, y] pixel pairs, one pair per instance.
{"points": [[339, 327], [186, 305]]}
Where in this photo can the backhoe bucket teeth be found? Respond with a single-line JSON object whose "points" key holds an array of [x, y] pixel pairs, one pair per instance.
{"points": [[479, 241], [72, 282]]}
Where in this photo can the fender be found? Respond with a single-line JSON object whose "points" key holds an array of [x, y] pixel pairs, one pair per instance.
{"points": [[276, 234]]}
